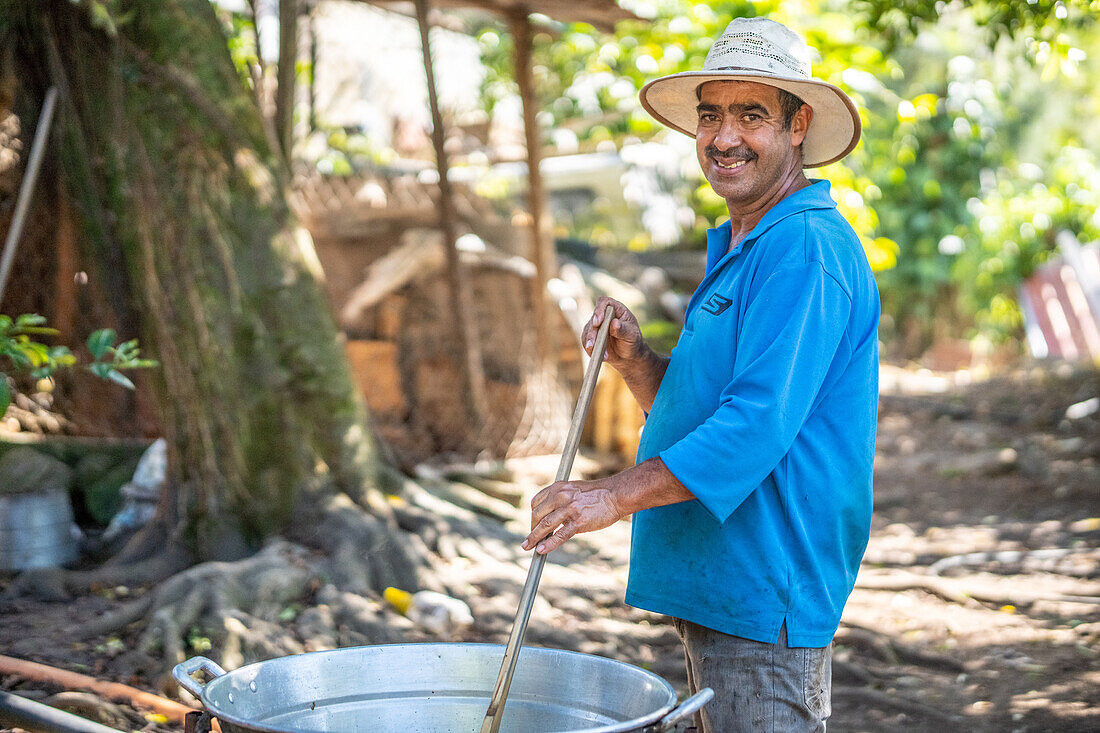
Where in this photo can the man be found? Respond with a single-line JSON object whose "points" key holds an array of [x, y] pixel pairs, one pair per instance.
{"points": [[752, 493]]}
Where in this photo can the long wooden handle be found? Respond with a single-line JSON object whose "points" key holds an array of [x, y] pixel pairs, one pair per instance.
{"points": [[491, 724]]}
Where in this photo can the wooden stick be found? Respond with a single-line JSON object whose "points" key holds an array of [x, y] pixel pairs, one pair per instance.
{"points": [[491, 724], [171, 709]]}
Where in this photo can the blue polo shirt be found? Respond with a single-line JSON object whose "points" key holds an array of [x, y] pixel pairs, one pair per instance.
{"points": [[767, 414]]}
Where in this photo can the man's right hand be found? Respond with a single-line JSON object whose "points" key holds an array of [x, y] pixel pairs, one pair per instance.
{"points": [[624, 342], [627, 351]]}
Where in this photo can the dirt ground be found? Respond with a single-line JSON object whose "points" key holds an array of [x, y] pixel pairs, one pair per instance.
{"points": [[977, 607]]}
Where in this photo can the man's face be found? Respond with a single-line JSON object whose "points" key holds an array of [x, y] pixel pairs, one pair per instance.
{"points": [[744, 152]]}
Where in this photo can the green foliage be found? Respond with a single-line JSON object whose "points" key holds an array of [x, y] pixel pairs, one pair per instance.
{"points": [[109, 358], [974, 151], [590, 81], [241, 35], [197, 640], [1013, 231], [106, 15], [977, 147], [900, 20], [26, 355], [661, 335], [21, 354]]}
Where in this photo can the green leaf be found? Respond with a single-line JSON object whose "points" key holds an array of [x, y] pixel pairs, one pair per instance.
{"points": [[35, 330], [100, 341], [36, 353], [5, 394], [119, 378], [28, 320], [100, 370], [126, 352], [101, 18], [15, 353], [61, 356]]}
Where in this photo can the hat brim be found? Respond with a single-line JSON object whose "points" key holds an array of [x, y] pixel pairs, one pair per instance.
{"points": [[834, 131]]}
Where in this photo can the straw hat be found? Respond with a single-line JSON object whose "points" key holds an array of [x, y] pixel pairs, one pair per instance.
{"points": [[763, 51]]}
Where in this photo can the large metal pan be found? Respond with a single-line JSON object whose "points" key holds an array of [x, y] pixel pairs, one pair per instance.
{"points": [[435, 688]]}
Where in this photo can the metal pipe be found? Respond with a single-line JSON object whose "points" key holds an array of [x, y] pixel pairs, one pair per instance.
{"points": [[26, 188], [19, 712], [491, 724]]}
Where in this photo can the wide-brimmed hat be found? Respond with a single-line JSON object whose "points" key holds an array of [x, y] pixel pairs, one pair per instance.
{"points": [[763, 51]]}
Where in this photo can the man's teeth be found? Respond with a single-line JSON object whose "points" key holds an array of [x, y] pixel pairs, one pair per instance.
{"points": [[730, 166]]}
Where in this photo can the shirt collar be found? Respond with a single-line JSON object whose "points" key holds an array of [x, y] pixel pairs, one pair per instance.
{"points": [[815, 196]]}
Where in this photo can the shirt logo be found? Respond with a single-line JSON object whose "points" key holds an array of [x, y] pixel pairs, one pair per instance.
{"points": [[716, 304]]}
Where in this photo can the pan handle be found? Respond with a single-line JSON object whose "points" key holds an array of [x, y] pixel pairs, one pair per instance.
{"points": [[684, 709], [182, 673]]}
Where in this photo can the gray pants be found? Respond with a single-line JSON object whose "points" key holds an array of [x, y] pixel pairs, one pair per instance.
{"points": [[758, 687]]}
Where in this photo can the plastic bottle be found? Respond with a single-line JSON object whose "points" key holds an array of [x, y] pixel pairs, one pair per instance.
{"points": [[434, 612]]}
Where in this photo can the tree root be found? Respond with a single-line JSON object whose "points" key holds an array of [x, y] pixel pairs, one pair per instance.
{"points": [[871, 697], [911, 581], [852, 672], [364, 554], [320, 591], [1015, 561], [318, 588], [892, 652], [94, 708], [204, 602], [960, 590], [58, 584]]}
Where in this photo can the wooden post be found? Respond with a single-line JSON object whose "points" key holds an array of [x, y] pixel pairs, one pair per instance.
{"points": [[65, 288], [465, 335], [287, 75], [542, 252], [311, 19]]}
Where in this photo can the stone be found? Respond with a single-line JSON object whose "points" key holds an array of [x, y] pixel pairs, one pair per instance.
{"points": [[25, 470]]}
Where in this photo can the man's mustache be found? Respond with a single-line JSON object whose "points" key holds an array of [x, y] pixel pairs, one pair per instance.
{"points": [[741, 152]]}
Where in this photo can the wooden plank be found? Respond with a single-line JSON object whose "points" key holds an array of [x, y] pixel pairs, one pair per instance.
{"points": [[374, 368]]}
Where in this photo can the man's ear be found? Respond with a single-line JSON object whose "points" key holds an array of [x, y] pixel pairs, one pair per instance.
{"points": [[800, 125]]}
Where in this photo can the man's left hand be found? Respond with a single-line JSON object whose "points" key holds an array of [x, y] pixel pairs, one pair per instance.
{"points": [[566, 508]]}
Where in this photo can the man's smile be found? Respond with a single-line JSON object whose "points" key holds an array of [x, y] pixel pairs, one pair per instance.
{"points": [[730, 159]]}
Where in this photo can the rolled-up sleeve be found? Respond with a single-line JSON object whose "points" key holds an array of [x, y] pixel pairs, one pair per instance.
{"points": [[786, 343]]}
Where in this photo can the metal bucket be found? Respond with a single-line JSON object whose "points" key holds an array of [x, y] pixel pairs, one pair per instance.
{"points": [[36, 530], [435, 688]]}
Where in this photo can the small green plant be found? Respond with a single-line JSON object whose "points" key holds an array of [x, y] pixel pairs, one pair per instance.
{"points": [[20, 353], [199, 643]]}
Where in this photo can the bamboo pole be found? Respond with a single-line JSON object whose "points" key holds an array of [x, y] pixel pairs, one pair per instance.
{"points": [[311, 24], [542, 253], [466, 336], [287, 75], [491, 723], [26, 188]]}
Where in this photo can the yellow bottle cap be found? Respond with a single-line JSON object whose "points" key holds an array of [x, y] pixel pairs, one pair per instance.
{"points": [[399, 599]]}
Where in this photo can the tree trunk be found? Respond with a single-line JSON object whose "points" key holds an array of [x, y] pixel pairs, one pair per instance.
{"points": [[182, 206]]}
